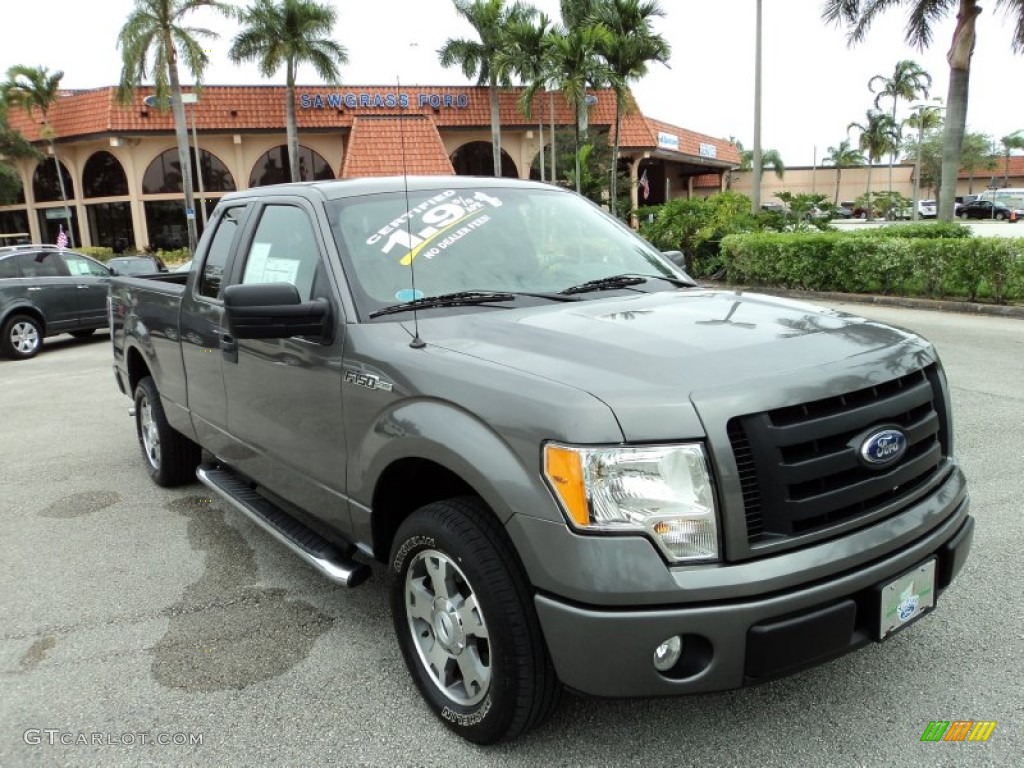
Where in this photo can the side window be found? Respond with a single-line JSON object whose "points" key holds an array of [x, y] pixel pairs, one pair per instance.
{"points": [[220, 247], [284, 250], [78, 265], [41, 264], [9, 268]]}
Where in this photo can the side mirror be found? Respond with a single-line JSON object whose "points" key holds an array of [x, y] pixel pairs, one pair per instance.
{"points": [[113, 272], [676, 257], [274, 311]]}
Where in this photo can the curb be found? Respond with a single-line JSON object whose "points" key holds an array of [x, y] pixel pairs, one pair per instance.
{"points": [[935, 305]]}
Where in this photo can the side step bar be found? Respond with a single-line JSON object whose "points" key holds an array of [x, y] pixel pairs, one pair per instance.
{"points": [[303, 541]]}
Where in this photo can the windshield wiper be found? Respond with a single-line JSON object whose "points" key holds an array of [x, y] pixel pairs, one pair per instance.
{"points": [[460, 299], [622, 281]]}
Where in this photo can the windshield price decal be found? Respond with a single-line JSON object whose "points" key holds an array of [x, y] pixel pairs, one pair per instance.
{"points": [[435, 221]]}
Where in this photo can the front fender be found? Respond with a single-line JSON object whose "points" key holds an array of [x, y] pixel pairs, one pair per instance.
{"points": [[506, 479]]}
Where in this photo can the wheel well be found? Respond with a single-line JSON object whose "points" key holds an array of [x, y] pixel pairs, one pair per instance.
{"points": [[404, 487], [137, 370], [31, 312]]}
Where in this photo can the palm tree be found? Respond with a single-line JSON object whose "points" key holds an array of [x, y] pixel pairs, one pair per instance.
{"points": [[152, 40], [526, 56], [878, 137], [12, 143], [289, 33], [34, 88], [481, 58], [858, 15], [908, 81], [1010, 142], [576, 64], [770, 158], [843, 156], [631, 46]]}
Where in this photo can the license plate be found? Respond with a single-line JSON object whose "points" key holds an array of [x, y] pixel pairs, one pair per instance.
{"points": [[906, 598]]}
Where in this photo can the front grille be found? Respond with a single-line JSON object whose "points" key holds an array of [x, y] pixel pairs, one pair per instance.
{"points": [[799, 467]]}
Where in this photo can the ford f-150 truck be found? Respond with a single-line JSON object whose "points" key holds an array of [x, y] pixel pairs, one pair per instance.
{"points": [[578, 467]]}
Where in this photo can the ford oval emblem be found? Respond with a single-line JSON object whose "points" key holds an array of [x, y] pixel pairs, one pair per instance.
{"points": [[884, 447]]}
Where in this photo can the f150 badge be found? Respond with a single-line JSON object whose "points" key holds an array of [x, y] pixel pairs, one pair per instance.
{"points": [[368, 381]]}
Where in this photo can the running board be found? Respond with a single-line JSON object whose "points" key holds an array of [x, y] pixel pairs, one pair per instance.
{"points": [[303, 541]]}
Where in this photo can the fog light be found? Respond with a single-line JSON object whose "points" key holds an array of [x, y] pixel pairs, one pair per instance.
{"points": [[667, 654]]}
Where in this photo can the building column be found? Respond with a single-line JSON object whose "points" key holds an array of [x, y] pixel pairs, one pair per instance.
{"points": [[70, 161], [27, 168], [634, 192], [242, 176], [139, 228]]}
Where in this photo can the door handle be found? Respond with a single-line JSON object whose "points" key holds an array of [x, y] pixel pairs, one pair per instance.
{"points": [[228, 345]]}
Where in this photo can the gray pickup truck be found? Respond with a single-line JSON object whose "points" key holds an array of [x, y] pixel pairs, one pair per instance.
{"points": [[578, 467]]}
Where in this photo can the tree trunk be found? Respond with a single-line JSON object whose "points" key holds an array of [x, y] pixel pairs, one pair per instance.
{"points": [[63, 192], [540, 135], [181, 134], [554, 141], [867, 193], [959, 58], [614, 186], [580, 106], [495, 128], [839, 175], [292, 128]]}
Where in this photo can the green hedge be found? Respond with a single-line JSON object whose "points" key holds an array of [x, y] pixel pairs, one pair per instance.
{"points": [[930, 230], [98, 253], [944, 267]]}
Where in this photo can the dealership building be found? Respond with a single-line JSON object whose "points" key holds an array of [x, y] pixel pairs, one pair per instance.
{"points": [[122, 175]]}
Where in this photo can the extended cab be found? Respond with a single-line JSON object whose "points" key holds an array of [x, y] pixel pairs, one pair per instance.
{"points": [[578, 467]]}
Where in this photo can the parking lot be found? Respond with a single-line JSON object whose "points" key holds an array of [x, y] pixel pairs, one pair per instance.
{"points": [[160, 627]]}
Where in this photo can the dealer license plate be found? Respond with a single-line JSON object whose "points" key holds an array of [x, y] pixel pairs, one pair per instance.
{"points": [[907, 598]]}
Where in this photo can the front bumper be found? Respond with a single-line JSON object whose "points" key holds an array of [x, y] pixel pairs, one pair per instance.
{"points": [[733, 643]]}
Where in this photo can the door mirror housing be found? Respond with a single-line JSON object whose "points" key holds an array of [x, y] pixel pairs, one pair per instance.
{"points": [[274, 311], [676, 257]]}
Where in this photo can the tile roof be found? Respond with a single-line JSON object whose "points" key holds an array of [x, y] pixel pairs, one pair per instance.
{"points": [[376, 147], [999, 171], [245, 108]]}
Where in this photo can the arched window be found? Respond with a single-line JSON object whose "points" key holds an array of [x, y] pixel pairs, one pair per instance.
{"points": [[475, 159], [273, 167], [11, 190], [44, 182], [164, 174], [104, 177]]}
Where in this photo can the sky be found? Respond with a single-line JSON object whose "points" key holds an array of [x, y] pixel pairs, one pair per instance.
{"points": [[814, 84]]}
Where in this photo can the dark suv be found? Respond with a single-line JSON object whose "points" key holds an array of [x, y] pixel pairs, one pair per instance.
{"points": [[45, 291]]}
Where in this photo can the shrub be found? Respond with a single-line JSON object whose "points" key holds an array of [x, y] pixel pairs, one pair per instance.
{"points": [[930, 230], [98, 253], [945, 266]]}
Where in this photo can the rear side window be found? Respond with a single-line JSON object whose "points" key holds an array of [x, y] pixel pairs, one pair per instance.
{"points": [[9, 268], [41, 264], [79, 265], [212, 276]]}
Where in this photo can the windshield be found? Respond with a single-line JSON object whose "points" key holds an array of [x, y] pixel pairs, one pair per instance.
{"points": [[520, 240]]}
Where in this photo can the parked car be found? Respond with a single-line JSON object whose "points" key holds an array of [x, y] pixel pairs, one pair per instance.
{"points": [[927, 209], [136, 265], [45, 291], [986, 209]]}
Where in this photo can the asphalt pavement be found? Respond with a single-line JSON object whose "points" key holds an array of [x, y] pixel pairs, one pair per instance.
{"points": [[161, 628]]}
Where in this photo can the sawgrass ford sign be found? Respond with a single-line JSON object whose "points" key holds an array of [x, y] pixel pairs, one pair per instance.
{"points": [[382, 99]]}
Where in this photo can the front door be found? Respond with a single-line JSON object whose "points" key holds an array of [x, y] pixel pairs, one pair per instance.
{"points": [[284, 395], [49, 287]]}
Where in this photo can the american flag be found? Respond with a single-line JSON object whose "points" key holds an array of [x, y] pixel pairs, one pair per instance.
{"points": [[645, 185], [62, 238]]}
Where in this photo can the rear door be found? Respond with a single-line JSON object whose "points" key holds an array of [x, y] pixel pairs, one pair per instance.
{"points": [[49, 287], [201, 330], [92, 283]]}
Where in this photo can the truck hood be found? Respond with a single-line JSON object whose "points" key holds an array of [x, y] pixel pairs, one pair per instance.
{"points": [[655, 351]]}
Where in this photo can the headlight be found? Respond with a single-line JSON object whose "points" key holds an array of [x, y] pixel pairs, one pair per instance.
{"points": [[662, 490]]}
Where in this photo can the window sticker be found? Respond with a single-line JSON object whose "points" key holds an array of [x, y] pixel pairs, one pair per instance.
{"points": [[77, 267], [264, 268], [433, 225]]}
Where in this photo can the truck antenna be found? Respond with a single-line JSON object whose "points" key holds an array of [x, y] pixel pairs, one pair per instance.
{"points": [[417, 342]]}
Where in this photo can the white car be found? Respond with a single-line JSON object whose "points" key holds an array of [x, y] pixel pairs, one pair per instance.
{"points": [[927, 209]]}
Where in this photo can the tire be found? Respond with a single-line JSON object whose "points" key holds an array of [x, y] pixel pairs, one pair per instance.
{"points": [[83, 334], [963, 217], [171, 458], [491, 678], [22, 337], [999, 216]]}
